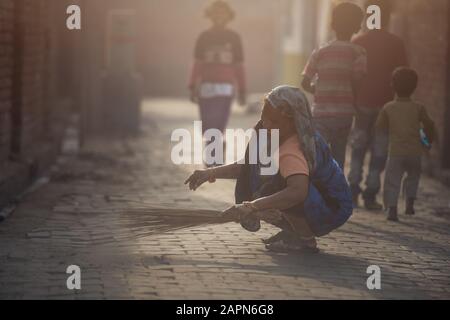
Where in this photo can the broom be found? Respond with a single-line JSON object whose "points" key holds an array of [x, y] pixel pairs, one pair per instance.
{"points": [[148, 221]]}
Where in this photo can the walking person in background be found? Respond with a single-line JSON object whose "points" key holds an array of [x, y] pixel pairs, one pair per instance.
{"points": [[404, 119], [218, 71], [385, 52], [332, 75]]}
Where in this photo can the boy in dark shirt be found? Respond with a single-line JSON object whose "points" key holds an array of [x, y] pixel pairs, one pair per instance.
{"points": [[385, 53], [404, 118]]}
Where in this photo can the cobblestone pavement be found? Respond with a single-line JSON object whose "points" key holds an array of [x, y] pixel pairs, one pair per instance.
{"points": [[92, 214]]}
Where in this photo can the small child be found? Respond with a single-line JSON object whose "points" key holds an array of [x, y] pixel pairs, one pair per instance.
{"points": [[404, 119], [337, 69]]}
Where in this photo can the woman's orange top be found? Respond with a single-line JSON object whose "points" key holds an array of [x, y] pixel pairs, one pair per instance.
{"points": [[292, 161]]}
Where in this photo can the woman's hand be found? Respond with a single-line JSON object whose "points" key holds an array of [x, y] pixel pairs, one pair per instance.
{"points": [[235, 212], [199, 177], [246, 214]]}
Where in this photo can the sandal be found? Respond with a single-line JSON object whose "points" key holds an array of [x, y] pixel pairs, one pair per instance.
{"points": [[250, 222], [283, 246], [277, 237]]}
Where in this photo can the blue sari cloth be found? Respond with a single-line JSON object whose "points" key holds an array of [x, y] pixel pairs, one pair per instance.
{"points": [[329, 202]]}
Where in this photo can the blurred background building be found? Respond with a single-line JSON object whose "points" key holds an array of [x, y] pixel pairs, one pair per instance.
{"points": [[49, 73], [35, 90]]}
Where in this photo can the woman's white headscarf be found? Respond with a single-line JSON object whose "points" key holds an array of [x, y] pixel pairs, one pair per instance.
{"points": [[293, 102]]}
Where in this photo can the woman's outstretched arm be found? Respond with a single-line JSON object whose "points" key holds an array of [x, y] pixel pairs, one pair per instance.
{"points": [[199, 177], [229, 171]]}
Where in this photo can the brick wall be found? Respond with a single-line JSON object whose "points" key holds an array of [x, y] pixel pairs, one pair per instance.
{"points": [[29, 64], [6, 69], [424, 26], [29, 75]]}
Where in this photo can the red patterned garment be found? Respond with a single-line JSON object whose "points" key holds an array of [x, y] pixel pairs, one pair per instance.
{"points": [[219, 60], [335, 67]]}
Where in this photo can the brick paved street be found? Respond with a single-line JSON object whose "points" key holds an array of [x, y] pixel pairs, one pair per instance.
{"points": [[92, 214]]}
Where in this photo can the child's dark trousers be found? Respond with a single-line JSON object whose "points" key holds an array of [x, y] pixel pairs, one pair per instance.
{"points": [[397, 167]]}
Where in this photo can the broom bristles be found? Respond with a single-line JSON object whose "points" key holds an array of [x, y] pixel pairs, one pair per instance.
{"points": [[161, 220]]}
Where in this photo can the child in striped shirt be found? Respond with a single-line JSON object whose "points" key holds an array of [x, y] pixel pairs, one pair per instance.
{"points": [[333, 74]]}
